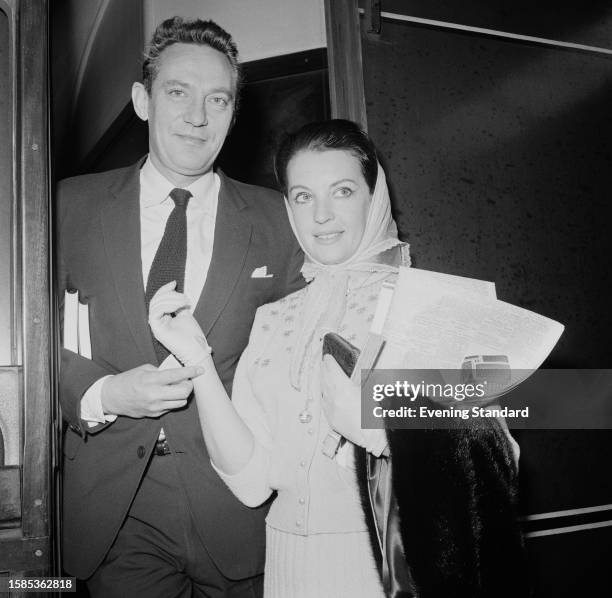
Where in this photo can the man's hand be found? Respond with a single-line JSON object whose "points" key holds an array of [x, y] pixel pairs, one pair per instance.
{"points": [[146, 391]]}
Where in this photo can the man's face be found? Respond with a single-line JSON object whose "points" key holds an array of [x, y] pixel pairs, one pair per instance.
{"points": [[190, 110]]}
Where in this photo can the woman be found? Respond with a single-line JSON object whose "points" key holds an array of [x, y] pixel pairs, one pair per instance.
{"points": [[285, 403]]}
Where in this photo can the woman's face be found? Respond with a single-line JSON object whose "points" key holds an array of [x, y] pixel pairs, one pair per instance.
{"points": [[329, 199]]}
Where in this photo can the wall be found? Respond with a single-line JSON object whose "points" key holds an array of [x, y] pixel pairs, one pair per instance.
{"points": [[498, 155], [73, 28], [96, 51], [261, 28]]}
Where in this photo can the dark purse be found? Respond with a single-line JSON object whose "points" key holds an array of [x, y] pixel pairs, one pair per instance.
{"points": [[345, 354]]}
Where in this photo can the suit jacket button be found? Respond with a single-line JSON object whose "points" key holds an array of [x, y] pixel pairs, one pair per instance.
{"points": [[141, 452]]}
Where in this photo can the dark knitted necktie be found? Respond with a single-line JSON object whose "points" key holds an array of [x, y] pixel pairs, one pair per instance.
{"points": [[171, 255]]}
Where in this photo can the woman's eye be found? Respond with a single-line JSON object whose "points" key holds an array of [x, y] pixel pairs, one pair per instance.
{"points": [[343, 192], [301, 197]]}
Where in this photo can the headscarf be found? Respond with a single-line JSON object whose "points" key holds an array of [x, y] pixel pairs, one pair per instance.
{"points": [[325, 302]]}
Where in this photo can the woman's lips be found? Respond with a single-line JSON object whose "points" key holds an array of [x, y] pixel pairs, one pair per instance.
{"points": [[328, 238]]}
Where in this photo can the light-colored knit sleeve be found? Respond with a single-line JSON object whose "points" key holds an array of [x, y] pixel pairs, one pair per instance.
{"points": [[250, 485]]}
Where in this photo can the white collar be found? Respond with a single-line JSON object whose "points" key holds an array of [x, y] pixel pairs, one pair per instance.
{"points": [[155, 187]]}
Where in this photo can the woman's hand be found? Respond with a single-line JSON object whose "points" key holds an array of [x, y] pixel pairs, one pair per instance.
{"points": [[180, 334], [342, 407], [341, 402]]}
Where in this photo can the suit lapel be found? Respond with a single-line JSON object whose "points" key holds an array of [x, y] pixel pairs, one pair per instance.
{"points": [[120, 218], [230, 247]]}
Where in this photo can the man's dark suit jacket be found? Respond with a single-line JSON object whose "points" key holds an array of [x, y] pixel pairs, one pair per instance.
{"points": [[98, 223]]}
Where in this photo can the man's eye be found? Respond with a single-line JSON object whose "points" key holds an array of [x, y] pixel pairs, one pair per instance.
{"points": [[177, 93], [302, 197], [219, 101]]}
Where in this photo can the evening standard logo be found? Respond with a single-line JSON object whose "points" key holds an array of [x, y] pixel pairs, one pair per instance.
{"points": [[428, 412]]}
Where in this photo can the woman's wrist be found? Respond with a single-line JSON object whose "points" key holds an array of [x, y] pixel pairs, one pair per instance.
{"points": [[203, 360], [198, 354]]}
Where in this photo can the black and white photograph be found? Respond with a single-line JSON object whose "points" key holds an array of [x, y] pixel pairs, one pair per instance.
{"points": [[305, 298]]}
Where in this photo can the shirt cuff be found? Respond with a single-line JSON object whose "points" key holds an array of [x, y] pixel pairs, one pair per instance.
{"points": [[91, 405], [376, 441], [250, 484]]}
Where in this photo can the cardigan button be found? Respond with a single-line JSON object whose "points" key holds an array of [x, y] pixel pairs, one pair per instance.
{"points": [[141, 452]]}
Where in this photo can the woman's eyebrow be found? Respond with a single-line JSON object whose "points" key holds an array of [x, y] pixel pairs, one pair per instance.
{"points": [[294, 187], [338, 182], [343, 181]]}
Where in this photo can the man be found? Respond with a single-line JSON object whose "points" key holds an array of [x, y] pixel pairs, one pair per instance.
{"points": [[144, 513]]}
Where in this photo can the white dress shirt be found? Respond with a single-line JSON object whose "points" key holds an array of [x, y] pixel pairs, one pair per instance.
{"points": [[155, 208]]}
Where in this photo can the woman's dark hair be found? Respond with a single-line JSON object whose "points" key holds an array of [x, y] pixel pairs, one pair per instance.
{"points": [[337, 134], [178, 31]]}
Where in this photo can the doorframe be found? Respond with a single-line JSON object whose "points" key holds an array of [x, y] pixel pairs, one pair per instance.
{"points": [[27, 549], [346, 88]]}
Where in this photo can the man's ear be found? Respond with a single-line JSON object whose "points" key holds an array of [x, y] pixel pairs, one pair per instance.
{"points": [[140, 100]]}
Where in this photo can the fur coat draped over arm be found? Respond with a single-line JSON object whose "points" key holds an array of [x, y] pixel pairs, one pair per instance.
{"points": [[448, 529]]}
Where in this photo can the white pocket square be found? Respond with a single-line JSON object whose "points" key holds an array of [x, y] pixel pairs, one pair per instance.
{"points": [[261, 272]]}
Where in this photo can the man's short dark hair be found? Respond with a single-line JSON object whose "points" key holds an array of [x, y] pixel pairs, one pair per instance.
{"points": [[178, 31]]}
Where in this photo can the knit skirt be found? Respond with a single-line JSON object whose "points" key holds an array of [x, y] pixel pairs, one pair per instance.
{"points": [[320, 566]]}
